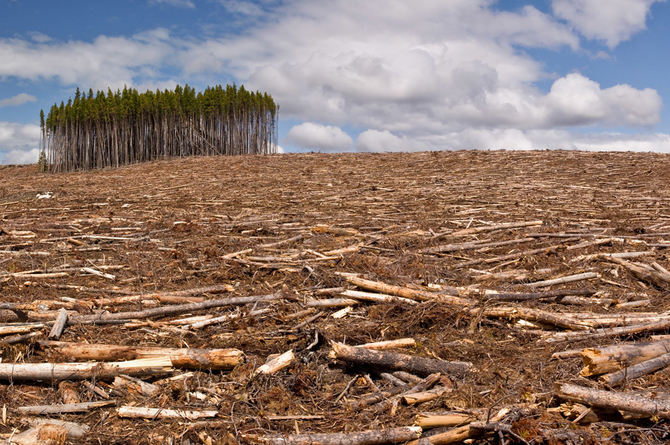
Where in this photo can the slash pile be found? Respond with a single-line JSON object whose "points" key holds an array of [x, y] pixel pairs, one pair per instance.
{"points": [[423, 298]]}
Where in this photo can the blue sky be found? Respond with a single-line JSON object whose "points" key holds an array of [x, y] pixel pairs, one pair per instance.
{"points": [[352, 75]]}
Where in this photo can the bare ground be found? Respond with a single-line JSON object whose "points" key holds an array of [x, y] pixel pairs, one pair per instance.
{"points": [[173, 225]]}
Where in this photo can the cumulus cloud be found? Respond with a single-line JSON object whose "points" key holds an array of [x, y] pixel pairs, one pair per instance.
{"points": [[178, 3], [576, 100], [21, 156], [410, 76], [104, 62], [612, 21], [385, 141], [18, 143], [19, 99], [319, 137], [242, 7]]}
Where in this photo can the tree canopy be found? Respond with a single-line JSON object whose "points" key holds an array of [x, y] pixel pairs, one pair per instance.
{"points": [[96, 130]]}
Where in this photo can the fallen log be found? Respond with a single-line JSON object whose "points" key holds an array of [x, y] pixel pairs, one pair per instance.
{"points": [[635, 371], [610, 332], [531, 314], [45, 431], [644, 272], [162, 413], [525, 296], [63, 409], [491, 228], [376, 298], [441, 420], [563, 280], [614, 400], [613, 358], [391, 360], [50, 372], [59, 326], [169, 310], [189, 358], [373, 437], [472, 246], [276, 364], [449, 295]]}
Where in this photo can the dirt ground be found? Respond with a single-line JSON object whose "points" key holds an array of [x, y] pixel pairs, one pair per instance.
{"points": [[186, 224]]}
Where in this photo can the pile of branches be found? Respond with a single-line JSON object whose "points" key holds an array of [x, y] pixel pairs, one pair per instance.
{"points": [[125, 127]]}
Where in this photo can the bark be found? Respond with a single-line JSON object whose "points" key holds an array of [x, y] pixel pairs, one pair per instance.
{"points": [[442, 420], [449, 295], [635, 371], [62, 409], [189, 358], [51, 372], [615, 400], [473, 246], [168, 310], [613, 358], [525, 296], [391, 360], [59, 325], [162, 413]]}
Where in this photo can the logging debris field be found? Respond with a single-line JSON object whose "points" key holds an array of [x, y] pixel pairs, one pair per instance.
{"points": [[423, 298]]}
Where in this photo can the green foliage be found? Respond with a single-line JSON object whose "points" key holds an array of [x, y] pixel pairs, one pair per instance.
{"points": [[97, 130]]}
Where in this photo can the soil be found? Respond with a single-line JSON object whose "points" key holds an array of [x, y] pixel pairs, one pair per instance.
{"points": [[174, 225]]}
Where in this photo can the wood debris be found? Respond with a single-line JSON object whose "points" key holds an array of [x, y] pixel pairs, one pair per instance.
{"points": [[422, 298]]}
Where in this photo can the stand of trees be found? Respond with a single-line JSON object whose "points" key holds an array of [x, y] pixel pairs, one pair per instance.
{"points": [[124, 127]]}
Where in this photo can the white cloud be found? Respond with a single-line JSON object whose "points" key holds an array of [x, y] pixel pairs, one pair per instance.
{"points": [[385, 141], [575, 100], [612, 21], [21, 156], [104, 62], [319, 137], [413, 76], [178, 3], [19, 99], [19, 143], [241, 7]]}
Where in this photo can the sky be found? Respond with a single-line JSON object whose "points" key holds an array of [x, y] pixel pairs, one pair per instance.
{"points": [[361, 75]]}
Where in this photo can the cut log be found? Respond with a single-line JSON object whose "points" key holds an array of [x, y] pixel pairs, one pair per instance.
{"points": [[48, 431], [169, 310], [219, 359], [50, 372], [635, 371], [415, 398], [374, 437], [276, 364], [376, 298], [563, 280], [613, 358], [491, 228], [162, 413], [390, 344], [530, 314], [615, 400], [448, 296], [59, 325], [473, 246], [391, 360], [611, 332], [525, 296], [644, 272], [62, 409], [441, 420]]}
